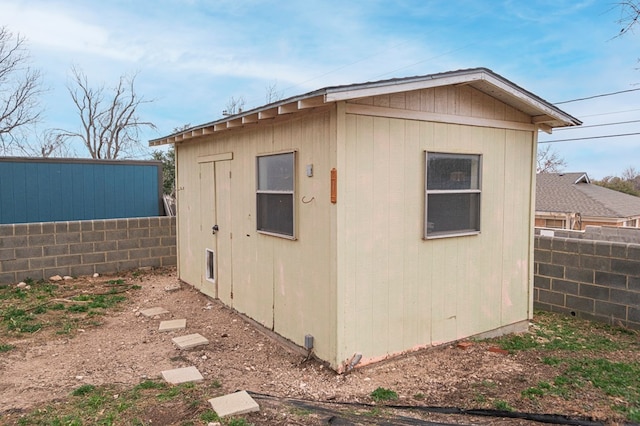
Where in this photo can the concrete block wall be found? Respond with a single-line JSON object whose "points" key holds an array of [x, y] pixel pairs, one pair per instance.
{"points": [[41, 250], [596, 280], [600, 233]]}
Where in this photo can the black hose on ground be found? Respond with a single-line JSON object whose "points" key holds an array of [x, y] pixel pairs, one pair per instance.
{"points": [[559, 419]]}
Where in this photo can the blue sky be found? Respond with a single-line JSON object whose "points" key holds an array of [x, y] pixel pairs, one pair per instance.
{"points": [[192, 56]]}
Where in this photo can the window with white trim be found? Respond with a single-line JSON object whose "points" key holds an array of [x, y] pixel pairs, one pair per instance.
{"points": [[275, 194], [452, 194]]}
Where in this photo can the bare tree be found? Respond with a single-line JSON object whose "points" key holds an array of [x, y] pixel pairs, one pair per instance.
{"points": [[272, 94], [49, 143], [629, 15], [549, 161], [234, 106], [110, 123], [20, 87]]}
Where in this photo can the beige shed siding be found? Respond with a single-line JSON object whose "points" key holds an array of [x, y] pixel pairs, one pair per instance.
{"points": [[456, 100], [286, 285], [360, 277], [398, 291], [188, 229], [518, 227]]}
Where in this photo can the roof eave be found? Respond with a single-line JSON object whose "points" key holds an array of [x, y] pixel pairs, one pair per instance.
{"points": [[544, 115]]}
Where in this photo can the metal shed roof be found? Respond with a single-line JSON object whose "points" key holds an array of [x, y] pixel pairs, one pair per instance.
{"points": [[543, 113]]}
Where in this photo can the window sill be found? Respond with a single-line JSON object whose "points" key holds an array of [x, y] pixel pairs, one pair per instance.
{"points": [[450, 235], [273, 234]]}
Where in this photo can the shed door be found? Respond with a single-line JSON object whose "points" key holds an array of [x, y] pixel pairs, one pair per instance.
{"points": [[215, 228]]}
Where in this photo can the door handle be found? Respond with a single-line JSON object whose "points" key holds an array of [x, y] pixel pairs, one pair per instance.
{"points": [[214, 229]]}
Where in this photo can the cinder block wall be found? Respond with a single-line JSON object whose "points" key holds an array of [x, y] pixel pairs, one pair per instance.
{"points": [[597, 280], [41, 250], [601, 233]]}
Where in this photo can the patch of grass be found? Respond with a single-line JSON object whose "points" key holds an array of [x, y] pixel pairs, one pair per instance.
{"points": [[66, 325], [119, 281], [16, 293], [538, 391], [633, 414], [382, 394], [502, 405], [40, 310], [553, 332], [209, 416], [6, 347], [83, 390], [76, 309], [374, 412], [532, 393], [150, 384], [616, 379], [82, 298], [105, 301], [550, 360], [19, 320], [174, 391], [479, 398], [419, 396], [96, 401]]}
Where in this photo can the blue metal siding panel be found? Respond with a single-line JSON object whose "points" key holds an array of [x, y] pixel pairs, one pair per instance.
{"points": [[65, 197], [39, 197], [41, 191], [101, 184], [89, 190], [20, 192], [82, 198], [6, 195], [30, 192]]}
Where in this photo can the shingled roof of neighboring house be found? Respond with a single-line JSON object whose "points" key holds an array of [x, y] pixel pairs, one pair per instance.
{"points": [[574, 193]]}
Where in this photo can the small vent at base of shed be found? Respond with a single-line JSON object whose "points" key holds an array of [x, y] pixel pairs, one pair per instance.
{"points": [[211, 265]]}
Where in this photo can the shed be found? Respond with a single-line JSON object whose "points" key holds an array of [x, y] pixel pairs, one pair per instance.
{"points": [[64, 189], [367, 220]]}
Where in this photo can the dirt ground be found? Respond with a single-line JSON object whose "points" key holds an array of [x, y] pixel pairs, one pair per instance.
{"points": [[128, 348]]}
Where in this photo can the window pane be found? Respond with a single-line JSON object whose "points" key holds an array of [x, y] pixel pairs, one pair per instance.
{"points": [[275, 213], [275, 172], [447, 213], [452, 171]]}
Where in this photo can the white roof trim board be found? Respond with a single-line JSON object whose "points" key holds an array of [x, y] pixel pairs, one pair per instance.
{"points": [[543, 113]]}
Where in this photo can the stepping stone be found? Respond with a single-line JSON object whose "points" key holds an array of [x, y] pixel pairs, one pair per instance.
{"points": [[173, 287], [182, 375], [190, 341], [178, 324], [152, 312], [234, 404]]}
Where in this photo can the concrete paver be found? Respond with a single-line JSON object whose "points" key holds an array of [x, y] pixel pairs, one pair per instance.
{"points": [[190, 341], [182, 375], [171, 325], [173, 287], [234, 404], [152, 312]]}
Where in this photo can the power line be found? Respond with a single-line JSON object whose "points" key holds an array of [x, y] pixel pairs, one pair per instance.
{"points": [[597, 125], [590, 137], [598, 96], [610, 113]]}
